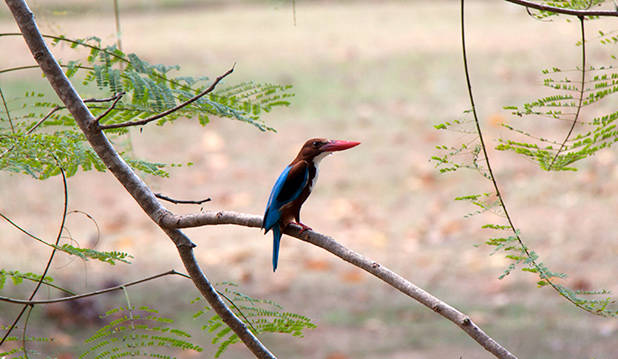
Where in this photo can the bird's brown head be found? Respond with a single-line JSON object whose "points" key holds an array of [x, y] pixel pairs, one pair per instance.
{"points": [[315, 147]]}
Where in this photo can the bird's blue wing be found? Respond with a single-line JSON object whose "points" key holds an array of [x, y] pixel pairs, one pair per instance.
{"points": [[288, 187]]}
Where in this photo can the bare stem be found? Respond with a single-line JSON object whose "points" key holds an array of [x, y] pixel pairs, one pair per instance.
{"points": [[565, 11], [117, 18], [89, 294], [329, 244], [58, 107], [140, 192], [6, 110], [523, 246], [179, 201], [117, 98], [171, 110], [115, 288], [581, 93], [25, 330], [51, 257]]}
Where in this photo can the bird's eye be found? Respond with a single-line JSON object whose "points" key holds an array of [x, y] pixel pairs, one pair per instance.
{"points": [[316, 143]]}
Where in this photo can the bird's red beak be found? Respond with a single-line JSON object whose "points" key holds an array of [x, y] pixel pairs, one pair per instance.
{"points": [[338, 145]]}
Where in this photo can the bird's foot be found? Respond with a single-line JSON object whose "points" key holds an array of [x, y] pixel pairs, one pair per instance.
{"points": [[303, 227]]}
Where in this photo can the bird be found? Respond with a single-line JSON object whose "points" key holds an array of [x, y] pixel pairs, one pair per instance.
{"points": [[293, 187]]}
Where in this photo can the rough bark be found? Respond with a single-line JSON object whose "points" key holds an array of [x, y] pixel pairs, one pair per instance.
{"points": [[171, 223], [123, 173]]}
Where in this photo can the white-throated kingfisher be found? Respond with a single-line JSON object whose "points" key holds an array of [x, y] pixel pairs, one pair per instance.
{"points": [[293, 187]]}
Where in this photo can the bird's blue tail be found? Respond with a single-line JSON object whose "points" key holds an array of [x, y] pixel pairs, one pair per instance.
{"points": [[276, 241]]}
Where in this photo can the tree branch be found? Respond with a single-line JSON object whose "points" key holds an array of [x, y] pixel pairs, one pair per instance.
{"points": [[6, 110], [125, 175], [581, 93], [329, 244], [111, 289], [524, 249], [89, 294], [116, 99], [171, 223], [44, 282], [179, 201], [565, 11], [57, 108], [51, 256], [171, 110]]}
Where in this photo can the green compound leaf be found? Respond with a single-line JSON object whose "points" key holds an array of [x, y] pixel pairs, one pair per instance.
{"points": [[260, 315]]}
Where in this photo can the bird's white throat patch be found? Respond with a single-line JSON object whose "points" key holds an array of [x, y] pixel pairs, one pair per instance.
{"points": [[316, 163], [317, 159]]}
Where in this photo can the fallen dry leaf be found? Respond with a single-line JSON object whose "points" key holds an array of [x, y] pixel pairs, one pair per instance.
{"points": [[352, 276], [317, 264], [337, 355]]}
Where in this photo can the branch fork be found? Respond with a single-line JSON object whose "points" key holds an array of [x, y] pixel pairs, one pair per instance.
{"points": [[171, 223], [171, 110]]}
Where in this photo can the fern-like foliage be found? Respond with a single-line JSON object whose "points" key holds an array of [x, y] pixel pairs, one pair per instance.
{"points": [[564, 4], [18, 277], [576, 94], [138, 332], [41, 129], [572, 95], [567, 105], [260, 315], [36, 154], [505, 239], [110, 257], [15, 346]]}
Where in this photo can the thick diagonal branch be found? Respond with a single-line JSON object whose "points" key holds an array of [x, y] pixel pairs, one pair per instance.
{"points": [[125, 175], [171, 223], [329, 244]]}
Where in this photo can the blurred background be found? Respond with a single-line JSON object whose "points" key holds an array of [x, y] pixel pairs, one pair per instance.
{"points": [[382, 73]]}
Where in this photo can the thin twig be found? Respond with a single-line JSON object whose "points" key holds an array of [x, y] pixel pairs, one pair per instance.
{"points": [[178, 201], [91, 245], [581, 93], [107, 99], [115, 288], [117, 18], [90, 294], [144, 197], [103, 50], [56, 108], [25, 231], [114, 98], [28, 67], [51, 112], [242, 314], [134, 185], [171, 110], [49, 285], [6, 109], [536, 17], [356, 259], [118, 96], [24, 331], [493, 179], [129, 306], [51, 257], [565, 11]]}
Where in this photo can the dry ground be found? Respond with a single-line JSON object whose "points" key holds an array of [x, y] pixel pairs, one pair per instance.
{"points": [[381, 74]]}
